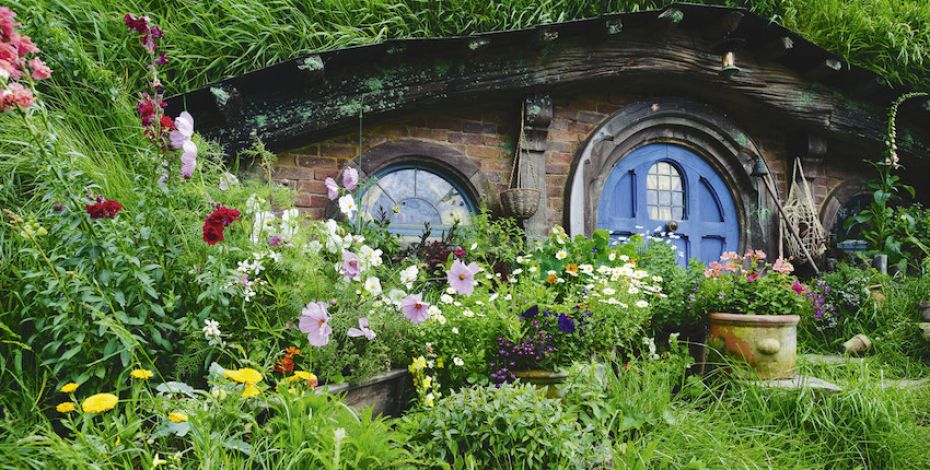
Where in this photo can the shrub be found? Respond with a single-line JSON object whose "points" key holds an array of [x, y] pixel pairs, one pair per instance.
{"points": [[511, 427]]}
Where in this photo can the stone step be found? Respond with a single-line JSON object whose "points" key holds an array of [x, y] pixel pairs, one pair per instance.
{"points": [[799, 382], [830, 359]]}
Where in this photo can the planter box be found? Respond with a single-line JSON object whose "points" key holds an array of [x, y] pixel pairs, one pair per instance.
{"points": [[767, 343], [388, 393]]}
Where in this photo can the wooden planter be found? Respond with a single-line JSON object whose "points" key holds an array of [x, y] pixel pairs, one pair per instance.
{"points": [[767, 343], [388, 393]]}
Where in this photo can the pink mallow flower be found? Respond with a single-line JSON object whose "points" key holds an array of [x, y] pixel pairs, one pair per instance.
{"points": [[350, 178], [362, 330], [414, 308], [782, 266], [461, 277], [332, 188], [314, 321], [351, 266], [184, 130]]}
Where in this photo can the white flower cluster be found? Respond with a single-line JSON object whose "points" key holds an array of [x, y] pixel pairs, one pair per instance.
{"points": [[211, 332], [267, 224]]}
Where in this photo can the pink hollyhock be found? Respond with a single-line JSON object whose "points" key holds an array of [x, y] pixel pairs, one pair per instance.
{"points": [[314, 321], [350, 178], [17, 95], [351, 266], [362, 330], [40, 71], [461, 277], [332, 189], [782, 266], [414, 308], [797, 287]]}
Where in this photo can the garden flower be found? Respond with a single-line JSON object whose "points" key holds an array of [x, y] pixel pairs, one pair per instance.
{"points": [[212, 233], [65, 407], [409, 275], [373, 285], [247, 376], [40, 71], [461, 277], [99, 403], [69, 387], [184, 130], [350, 178], [350, 265], [141, 374], [284, 365], [641, 303], [414, 308], [782, 266], [458, 361], [177, 417], [211, 331], [797, 287], [347, 205], [314, 322], [332, 188], [250, 391], [459, 252], [560, 255], [362, 330], [188, 159], [303, 376], [227, 181], [753, 277], [104, 210], [566, 324]]}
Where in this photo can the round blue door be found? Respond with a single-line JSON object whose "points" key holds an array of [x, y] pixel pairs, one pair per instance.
{"points": [[668, 189]]}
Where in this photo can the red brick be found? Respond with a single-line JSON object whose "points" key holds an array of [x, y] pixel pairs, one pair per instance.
{"points": [[291, 173], [432, 134], [316, 162], [311, 186], [461, 138], [557, 169], [479, 127], [321, 174], [339, 151], [483, 151], [591, 117]]}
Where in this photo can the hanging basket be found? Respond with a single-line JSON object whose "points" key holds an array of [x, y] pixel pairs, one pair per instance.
{"points": [[520, 203]]}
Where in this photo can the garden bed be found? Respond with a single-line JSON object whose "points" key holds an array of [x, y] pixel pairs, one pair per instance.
{"points": [[388, 393]]}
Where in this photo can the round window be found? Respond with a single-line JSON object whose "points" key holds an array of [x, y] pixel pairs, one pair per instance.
{"points": [[408, 198]]}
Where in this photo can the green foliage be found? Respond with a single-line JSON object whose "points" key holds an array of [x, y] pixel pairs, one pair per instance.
{"points": [[509, 427]]}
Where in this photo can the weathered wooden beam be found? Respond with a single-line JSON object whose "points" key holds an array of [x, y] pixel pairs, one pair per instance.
{"points": [[867, 86], [311, 68], [823, 69], [227, 100], [723, 26], [670, 18], [613, 26], [776, 48], [684, 65]]}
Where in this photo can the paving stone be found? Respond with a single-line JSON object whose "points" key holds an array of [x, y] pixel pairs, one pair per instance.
{"points": [[830, 359], [798, 383], [906, 383]]}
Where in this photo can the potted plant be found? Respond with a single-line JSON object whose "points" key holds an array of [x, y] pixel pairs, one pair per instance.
{"points": [[753, 310]]}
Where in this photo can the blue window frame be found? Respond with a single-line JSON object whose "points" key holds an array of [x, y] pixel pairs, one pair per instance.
{"points": [[410, 196]]}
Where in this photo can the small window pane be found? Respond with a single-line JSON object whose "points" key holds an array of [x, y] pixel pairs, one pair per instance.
{"points": [[665, 192], [408, 198]]}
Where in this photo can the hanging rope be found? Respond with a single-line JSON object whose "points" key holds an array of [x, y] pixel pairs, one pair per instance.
{"points": [[801, 214]]}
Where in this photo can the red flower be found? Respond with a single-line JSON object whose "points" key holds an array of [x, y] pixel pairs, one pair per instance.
{"points": [[166, 122], [224, 216], [797, 287], [104, 210], [752, 277], [212, 233], [284, 365]]}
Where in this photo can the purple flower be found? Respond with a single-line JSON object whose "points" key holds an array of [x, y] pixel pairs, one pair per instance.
{"points": [[362, 330], [332, 188], [530, 312], [414, 308], [314, 320], [184, 130], [188, 159], [461, 277], [350, 265], [459, 252], [566, 324], [275, 241], [350, 178]]}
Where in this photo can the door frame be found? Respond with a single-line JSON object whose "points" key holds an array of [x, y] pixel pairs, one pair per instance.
{"points": [[695, 126]]}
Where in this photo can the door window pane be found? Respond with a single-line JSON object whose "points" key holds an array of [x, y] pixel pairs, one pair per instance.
{"points": [[665, 193]]}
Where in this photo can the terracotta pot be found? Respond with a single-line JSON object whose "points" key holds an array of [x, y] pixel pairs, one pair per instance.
{"points": [[925, 310], [767, 343], [875, 291], [543, 378]]}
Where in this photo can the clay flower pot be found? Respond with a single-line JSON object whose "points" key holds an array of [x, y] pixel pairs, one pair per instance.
{"points": [[543, 378], [858, 344], [767, 343]]}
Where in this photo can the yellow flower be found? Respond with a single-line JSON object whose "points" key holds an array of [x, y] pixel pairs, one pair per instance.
{"points": [[304, 376], [244, 376], [176, 417], [250, 391], [69, 387], [141, 374], [99, 403], [417, 364], [427, 381], [65, 407]]}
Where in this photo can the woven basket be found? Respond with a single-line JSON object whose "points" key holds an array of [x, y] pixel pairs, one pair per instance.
{"points": [[520, 203]]}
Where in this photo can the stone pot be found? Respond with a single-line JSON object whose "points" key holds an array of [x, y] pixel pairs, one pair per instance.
{"points": [[767, 343], [547, 379], [925, 310]]}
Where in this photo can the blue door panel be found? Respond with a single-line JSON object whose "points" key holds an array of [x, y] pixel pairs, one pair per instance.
{"points": [[708, 225]]}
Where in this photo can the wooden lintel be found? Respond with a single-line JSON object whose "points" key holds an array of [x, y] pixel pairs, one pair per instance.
{"points": [[547, 35], [311, 67], [867, 86], [227, 100], [809, 146], [613, 26], [477, 44], [776, 48], [824, 69], [670, 18], [722, 27]]}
